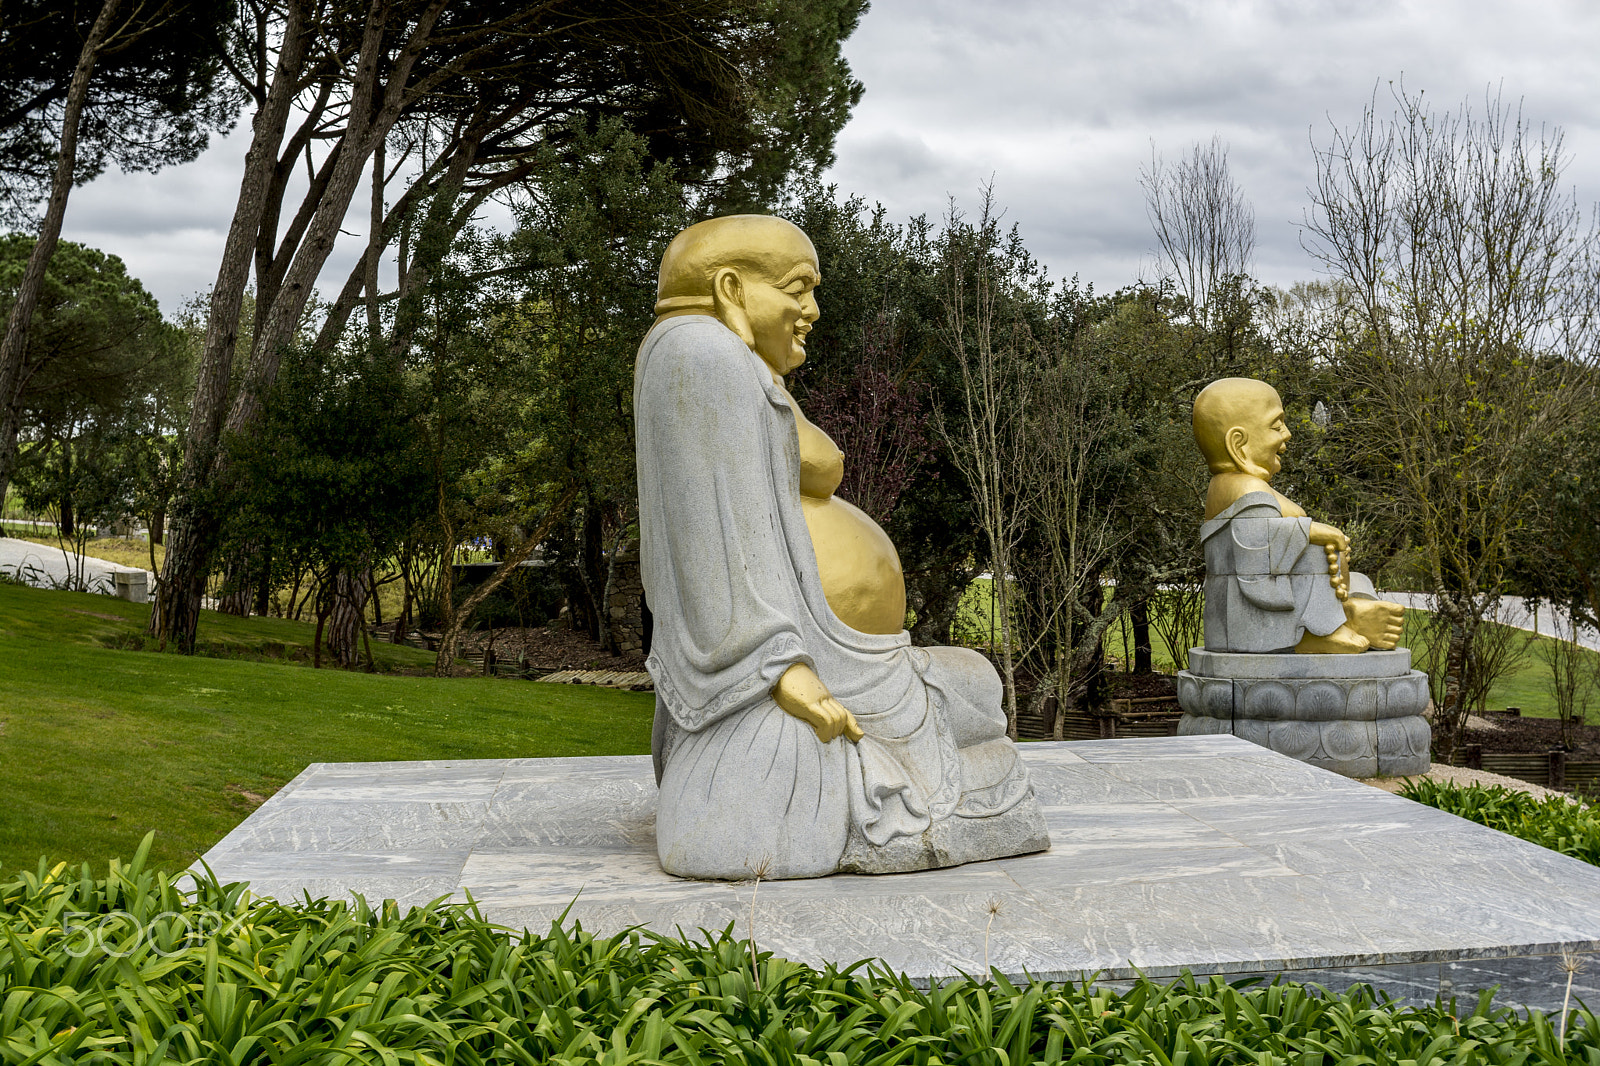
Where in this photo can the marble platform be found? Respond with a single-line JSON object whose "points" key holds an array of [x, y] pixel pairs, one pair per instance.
{"points": [[1206, 854]]}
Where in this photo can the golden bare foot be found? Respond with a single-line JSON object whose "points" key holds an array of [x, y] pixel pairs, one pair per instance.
{"points": [[1377, 620], [1342, 641]]}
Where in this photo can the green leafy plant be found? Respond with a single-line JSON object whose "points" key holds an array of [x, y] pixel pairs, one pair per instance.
{"points": [[141, 966], [1555, 822]]}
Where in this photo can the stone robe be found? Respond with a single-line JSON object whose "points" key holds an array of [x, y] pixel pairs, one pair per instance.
{"points": [[731, 581], [1266, 583]]}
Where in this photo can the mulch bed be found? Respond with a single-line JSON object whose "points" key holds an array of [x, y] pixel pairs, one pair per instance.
{"points": [[1505, 734], [550, 649], [1144, 686]]}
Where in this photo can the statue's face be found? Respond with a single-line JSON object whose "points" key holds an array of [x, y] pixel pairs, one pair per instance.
{"points": [[1266, 438], [781, 306]]}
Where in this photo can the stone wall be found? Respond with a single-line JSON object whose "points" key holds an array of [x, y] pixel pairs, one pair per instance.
{"points": [[626, 605]]}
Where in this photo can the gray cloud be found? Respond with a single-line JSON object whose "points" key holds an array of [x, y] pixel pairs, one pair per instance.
{"points": [[1059, 101]]}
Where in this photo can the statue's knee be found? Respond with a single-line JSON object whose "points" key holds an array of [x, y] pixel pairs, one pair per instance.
{"points": [[973, 695]]}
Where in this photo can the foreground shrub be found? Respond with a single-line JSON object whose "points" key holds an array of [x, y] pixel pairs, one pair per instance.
{"points": [[128, 969], [1555, 822]]}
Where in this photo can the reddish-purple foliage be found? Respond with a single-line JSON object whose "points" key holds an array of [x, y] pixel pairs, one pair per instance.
{"points": [[879, 419]]}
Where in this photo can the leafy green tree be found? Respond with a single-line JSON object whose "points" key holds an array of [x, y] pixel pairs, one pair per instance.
{"points": [[336, 473], [134, 84], [1558, 550], [585, 254], [153, 95], [93, 327], [99, 357]]}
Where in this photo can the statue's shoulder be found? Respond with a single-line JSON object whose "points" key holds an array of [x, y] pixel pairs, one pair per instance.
{"points": [[691, 333], [696, 356], [698, 344]]}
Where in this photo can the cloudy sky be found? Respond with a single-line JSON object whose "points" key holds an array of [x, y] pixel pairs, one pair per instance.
{"points": [[1059, 102]]}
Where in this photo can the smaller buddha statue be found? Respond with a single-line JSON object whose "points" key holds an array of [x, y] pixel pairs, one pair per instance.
{"points": [[1276, 581]]}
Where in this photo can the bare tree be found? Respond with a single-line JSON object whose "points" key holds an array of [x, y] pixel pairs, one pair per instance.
{"points": [[1473, 285], [1178, 615], [1075, 532], [985, 329], [1204, 224], [1574, 677]]}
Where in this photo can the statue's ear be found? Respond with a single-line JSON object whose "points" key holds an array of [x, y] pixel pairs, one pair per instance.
{"points": [[727, 297], [1234, 441]]}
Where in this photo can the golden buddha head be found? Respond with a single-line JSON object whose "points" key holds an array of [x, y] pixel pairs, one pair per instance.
{"points": [[1239, 426], [754, 273]]}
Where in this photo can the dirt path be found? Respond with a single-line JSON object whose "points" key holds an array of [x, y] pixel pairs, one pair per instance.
{"points": [[46, 567]]}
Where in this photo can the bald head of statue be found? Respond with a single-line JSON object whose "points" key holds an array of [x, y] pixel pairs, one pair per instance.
{"points": [[1239, 426], [755, 273]]}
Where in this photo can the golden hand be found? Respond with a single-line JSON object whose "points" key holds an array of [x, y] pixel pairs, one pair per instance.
{"points": [[1336, 546], [801, 693]]}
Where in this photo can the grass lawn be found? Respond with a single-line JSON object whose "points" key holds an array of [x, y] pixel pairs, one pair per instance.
{"points": [[1526, 686], [100, 745]]}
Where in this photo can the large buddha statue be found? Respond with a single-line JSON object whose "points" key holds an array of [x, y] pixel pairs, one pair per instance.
{"points": [[798, 732], [1275, 580]]}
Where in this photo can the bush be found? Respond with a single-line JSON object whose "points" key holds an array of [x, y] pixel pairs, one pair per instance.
{"points": [[1556, 822], [129, 969]]}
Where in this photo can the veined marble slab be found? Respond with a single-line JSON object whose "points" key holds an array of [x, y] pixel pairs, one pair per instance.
{"points": [[1206, 853]]}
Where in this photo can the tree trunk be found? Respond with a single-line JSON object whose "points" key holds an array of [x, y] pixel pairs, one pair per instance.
{"points": [[238, 584], [1452, 714], [402, 622], [316, 641], [347, 614], [589, 568], [263, 589], [197, 525], [608, 632], [158, 525], [937, 598], [236, 596], [181, 620], [14, 347], [1139, 621], [1008, 670], [68, 521]]}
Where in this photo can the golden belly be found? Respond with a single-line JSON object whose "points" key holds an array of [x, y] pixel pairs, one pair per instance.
{"points": [[860, 568]]}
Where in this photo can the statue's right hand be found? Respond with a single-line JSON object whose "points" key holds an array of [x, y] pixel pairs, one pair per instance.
{"points": [[1329, 537], [801, 693], [1336, 546]]}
